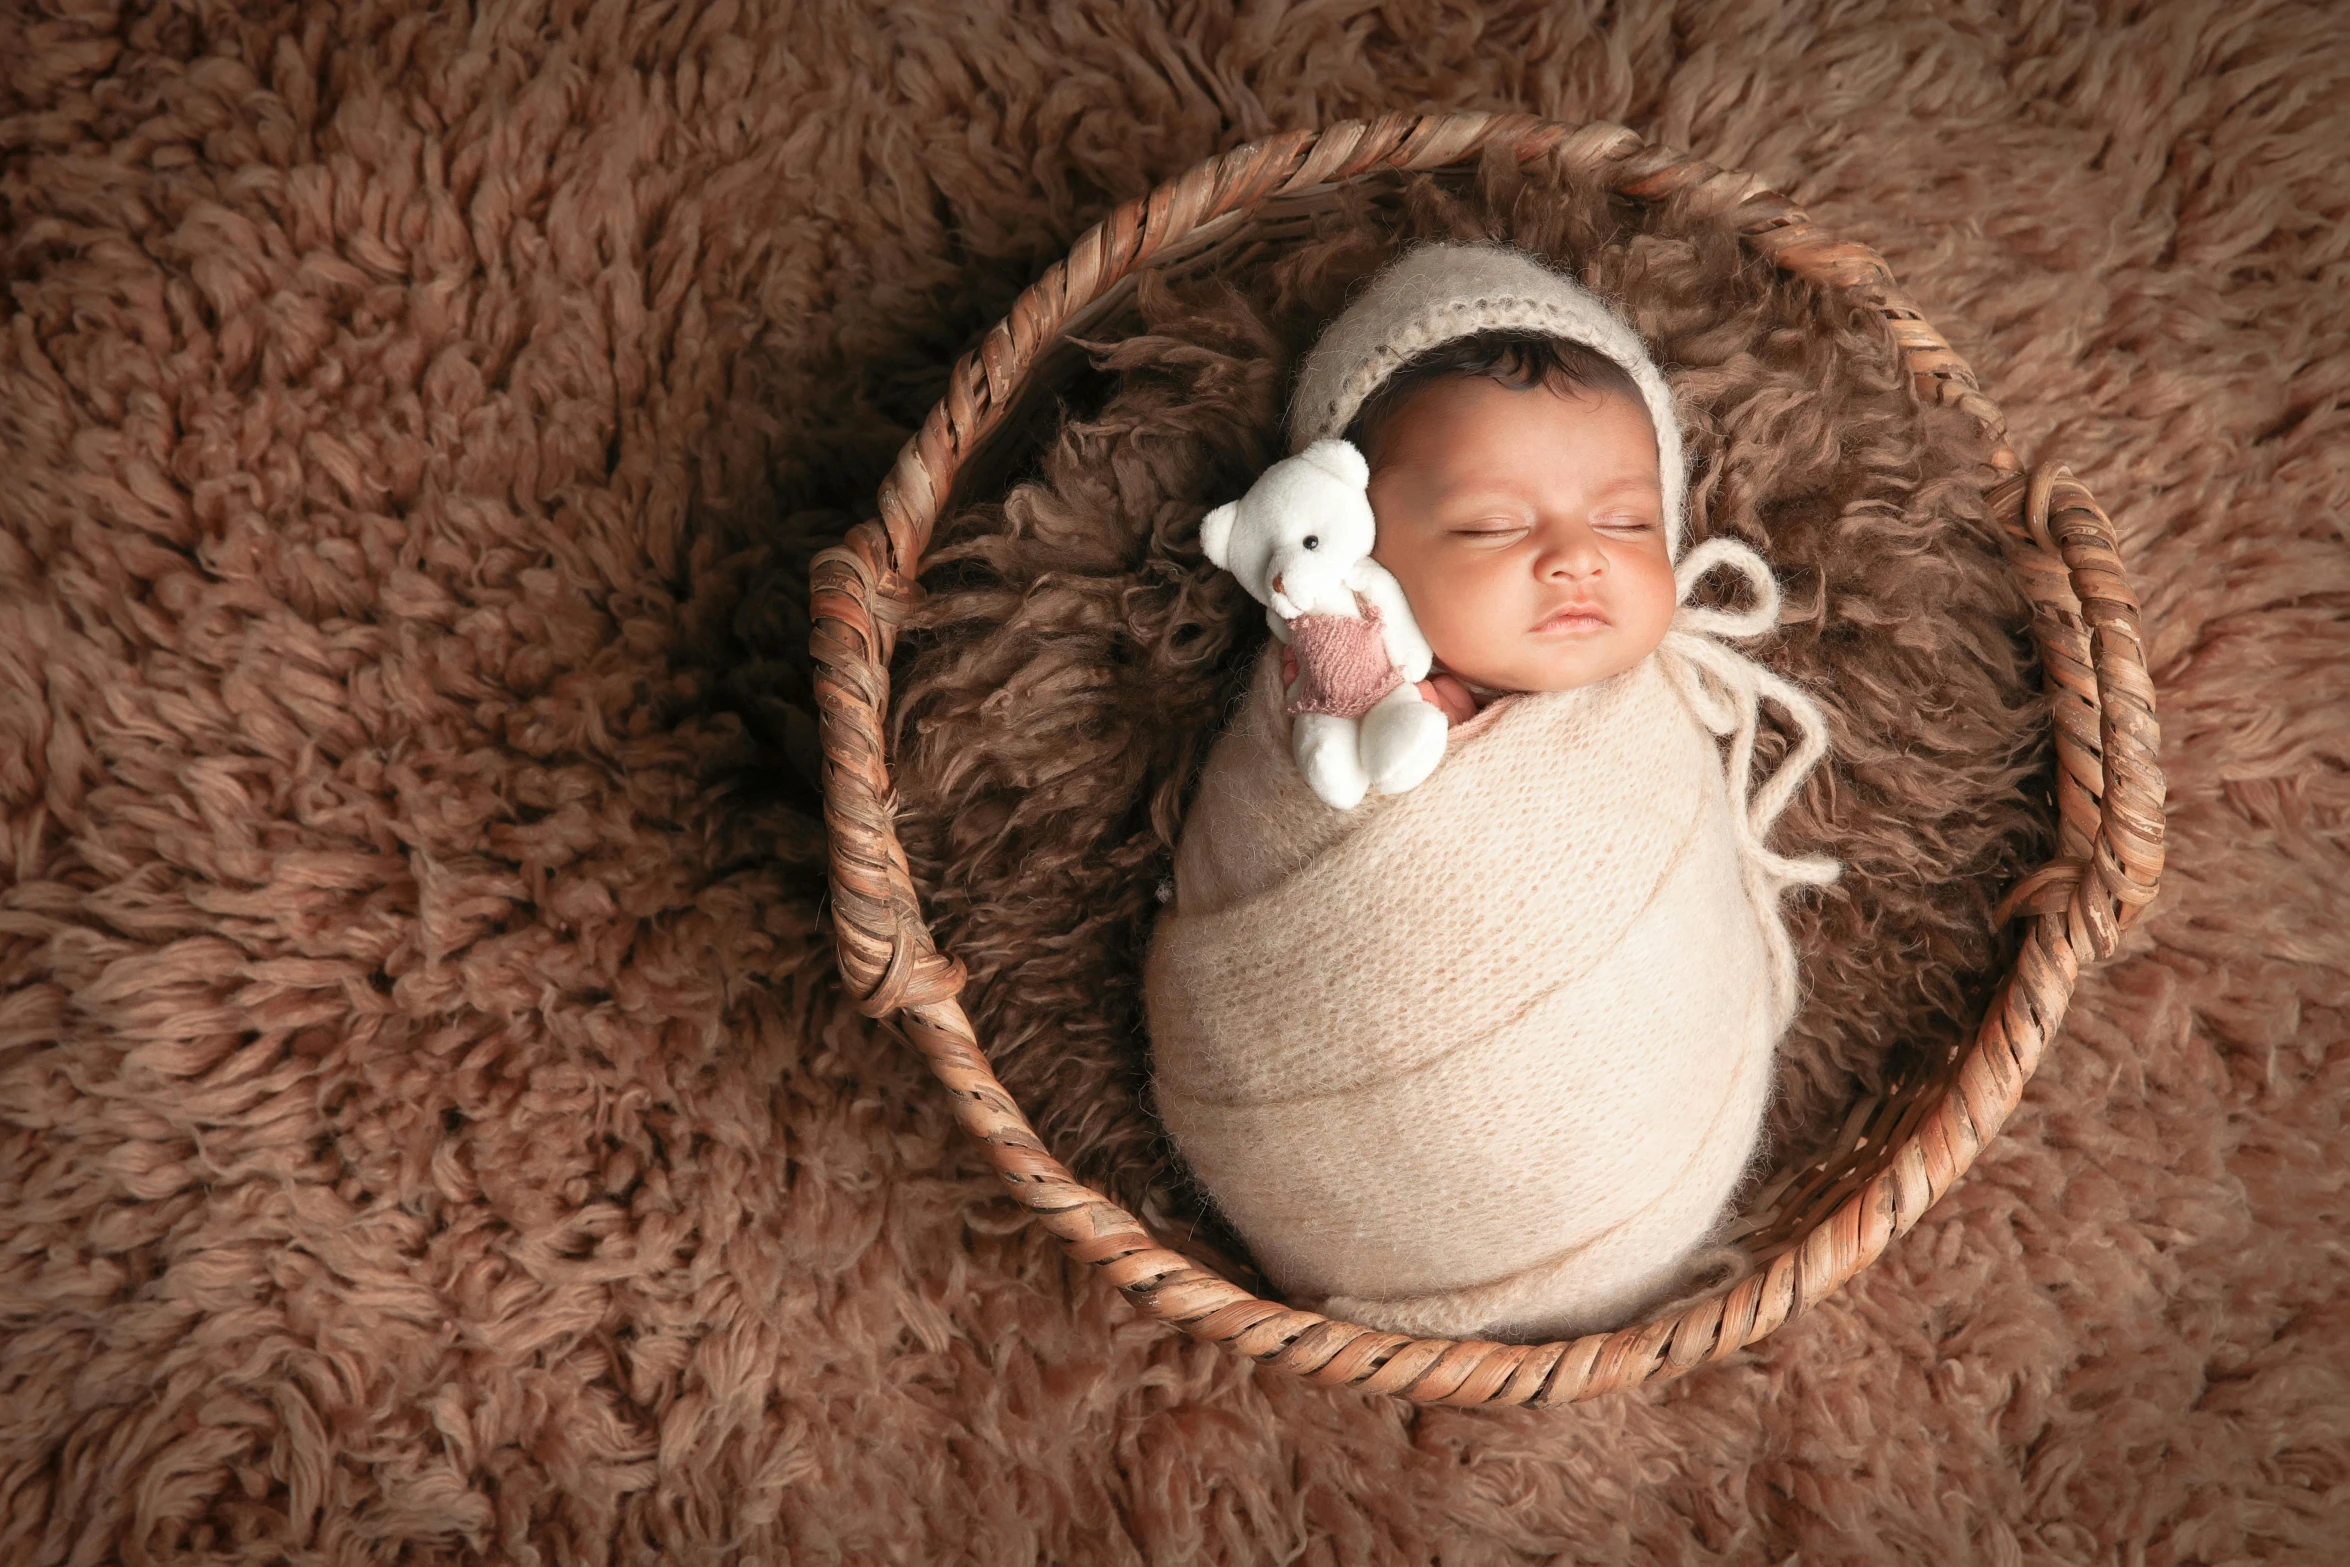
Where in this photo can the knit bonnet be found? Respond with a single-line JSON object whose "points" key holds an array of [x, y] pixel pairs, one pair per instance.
{"points": [[1436, 293]]}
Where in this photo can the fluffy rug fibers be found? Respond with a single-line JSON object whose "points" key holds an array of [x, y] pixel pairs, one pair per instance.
{"points": [[431, 1128]]}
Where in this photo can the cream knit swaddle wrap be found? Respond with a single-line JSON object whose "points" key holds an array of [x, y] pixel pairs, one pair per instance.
{"points": [[1489, 1057]]}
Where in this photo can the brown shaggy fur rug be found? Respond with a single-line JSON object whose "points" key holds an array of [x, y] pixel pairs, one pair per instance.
{"points": [[430, 1128]]}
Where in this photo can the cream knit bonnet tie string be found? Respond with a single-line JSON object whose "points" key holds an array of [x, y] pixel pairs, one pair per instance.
{"points": [[1726, 689]]}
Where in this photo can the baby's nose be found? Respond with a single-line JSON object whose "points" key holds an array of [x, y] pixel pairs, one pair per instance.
{"points": [[1579, 558]]}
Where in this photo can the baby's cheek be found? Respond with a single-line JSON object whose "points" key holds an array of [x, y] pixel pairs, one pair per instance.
{"points": [[1418, 590], [1434, 598], [1654, 594]]}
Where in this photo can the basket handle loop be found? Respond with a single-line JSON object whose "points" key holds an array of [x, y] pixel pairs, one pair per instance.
{"points": [[857, 600], [2109, 791]]}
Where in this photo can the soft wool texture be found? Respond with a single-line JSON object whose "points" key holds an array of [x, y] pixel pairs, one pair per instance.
{"points": [[430, 1129], [1489, 1059], [1344, 667], [1434, 294]]}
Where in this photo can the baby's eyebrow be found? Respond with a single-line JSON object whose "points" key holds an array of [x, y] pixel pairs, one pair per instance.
{"points": [[1468, 493], [1475, 494], [1647, 483]]}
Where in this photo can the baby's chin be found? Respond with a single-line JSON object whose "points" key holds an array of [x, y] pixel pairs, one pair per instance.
{"points": [[1550, 668]]}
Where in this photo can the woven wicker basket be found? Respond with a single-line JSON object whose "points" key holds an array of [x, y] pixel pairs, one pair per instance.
{"points": [[1813, 1226]]}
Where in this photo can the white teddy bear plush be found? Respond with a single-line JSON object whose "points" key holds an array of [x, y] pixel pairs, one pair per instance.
{"points": [[1300, 542]]}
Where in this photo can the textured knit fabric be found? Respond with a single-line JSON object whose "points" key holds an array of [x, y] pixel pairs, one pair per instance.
{"points": [[1432, 295], [1488, 1058], [1343, 667]]}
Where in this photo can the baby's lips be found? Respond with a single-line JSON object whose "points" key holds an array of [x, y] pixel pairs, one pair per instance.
{"points": [[1578, 610]]}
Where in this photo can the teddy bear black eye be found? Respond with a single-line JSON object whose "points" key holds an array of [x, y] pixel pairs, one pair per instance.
{"points": [[1312, 541]]}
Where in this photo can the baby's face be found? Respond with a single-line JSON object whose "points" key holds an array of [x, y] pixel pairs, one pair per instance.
{"points": [[1527, 529]]}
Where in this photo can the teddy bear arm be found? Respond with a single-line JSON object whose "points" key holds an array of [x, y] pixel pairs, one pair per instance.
{"points": [[1405, 645]]}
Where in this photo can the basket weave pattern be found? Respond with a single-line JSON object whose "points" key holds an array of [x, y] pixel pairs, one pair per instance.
{"points": [[1897, 1153]]}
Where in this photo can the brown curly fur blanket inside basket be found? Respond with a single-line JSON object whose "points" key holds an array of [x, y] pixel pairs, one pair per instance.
{"points": [[1077, 655], [431, 1129]]}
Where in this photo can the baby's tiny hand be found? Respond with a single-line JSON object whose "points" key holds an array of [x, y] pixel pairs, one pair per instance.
{"points": [[1450, 697]]}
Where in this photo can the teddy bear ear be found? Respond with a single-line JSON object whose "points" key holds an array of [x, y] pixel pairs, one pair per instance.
{"points": [[1339, 459], [1215, 532]]}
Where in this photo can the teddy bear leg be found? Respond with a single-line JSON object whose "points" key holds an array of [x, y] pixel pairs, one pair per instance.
{"points": [[1329, 752], [1403, 740]]}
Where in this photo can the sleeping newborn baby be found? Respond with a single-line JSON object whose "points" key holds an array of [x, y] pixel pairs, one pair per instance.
{"points": [[1487, 1055]]}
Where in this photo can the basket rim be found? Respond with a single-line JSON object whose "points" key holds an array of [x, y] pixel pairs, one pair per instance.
{"points": [[2108, 787]]}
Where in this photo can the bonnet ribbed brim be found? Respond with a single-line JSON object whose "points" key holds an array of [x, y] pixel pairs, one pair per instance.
{"points": [[1436, 293]]}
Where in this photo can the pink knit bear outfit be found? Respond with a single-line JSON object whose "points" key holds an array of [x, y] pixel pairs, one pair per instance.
{"points": [[1343, 667]]}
